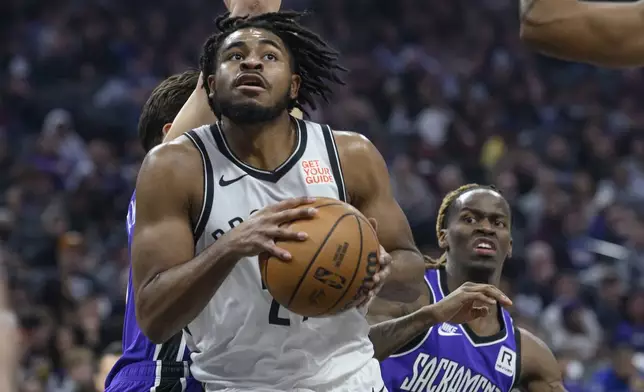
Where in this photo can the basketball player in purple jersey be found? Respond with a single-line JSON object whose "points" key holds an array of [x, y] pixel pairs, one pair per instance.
{"points": [[145, 366], [472, 352]]}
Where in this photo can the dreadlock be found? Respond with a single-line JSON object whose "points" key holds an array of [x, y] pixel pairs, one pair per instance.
{"points": [[311, 58], [447, 202]]}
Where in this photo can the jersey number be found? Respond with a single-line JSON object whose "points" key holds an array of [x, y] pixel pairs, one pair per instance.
{"points": [[274, 315]]}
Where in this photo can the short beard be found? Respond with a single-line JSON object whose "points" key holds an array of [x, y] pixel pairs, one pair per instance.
{"points": [[249, 112]]}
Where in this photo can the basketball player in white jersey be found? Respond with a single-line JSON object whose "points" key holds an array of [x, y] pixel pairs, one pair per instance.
{"points": [[221, 192]]}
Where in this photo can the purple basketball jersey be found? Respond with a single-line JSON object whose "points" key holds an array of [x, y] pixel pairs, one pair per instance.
{"points": [[450, 357], [137, 348]]}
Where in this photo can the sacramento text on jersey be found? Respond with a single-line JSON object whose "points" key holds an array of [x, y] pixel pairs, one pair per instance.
{"points": [[455, 377]]}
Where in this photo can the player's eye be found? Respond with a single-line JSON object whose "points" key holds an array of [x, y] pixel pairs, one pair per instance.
{"points": [[469, 219], [499, 223], [235, 56], [270, 57]]}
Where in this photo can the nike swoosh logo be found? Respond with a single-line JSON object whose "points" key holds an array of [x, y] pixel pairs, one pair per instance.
{"points": [[223, 182], [445, 333]]}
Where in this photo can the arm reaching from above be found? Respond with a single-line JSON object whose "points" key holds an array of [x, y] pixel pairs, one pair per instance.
{"points": [[601, 33], [252, 7]]}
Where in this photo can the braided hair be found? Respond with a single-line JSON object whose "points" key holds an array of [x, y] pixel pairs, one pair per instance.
{"points": [[447, 202], [311, 57]]}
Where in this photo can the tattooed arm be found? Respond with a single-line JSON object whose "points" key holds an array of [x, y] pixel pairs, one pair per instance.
{"points": [[460, 306], [389, 336], [602, 33], [539, 368]]}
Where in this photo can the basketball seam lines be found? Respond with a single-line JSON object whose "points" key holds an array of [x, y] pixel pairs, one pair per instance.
{"points": [[315, 256], [355, 271], [265, 278]]}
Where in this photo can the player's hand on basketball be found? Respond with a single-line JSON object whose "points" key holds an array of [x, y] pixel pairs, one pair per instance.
{"points": [[259, 233], [379, 278], [469, 302]]}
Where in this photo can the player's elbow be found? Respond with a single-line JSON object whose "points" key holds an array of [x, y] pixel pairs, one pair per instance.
{"points": [[151, 321]]}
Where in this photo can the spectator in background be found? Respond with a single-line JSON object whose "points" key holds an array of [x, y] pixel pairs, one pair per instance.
{"points": [[571, 325], [105, 363], [608, 300], [631, 331], [535, 288], [414, 197], [617, 375]]}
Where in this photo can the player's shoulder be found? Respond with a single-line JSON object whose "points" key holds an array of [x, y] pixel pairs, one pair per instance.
{"points": [[353, 145], [537, 360], [179, 151], [173, 157], [531, 340]]}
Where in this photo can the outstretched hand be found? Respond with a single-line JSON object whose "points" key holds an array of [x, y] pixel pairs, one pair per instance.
{"points": [[469, 302]]}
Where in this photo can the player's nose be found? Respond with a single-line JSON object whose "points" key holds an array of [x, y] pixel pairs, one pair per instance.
{"points": [[251, 63], [486, 227]]}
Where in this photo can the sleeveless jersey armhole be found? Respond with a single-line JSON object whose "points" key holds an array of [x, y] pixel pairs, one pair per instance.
{"points": [[208, 185], [334, 161], [517, 372]]}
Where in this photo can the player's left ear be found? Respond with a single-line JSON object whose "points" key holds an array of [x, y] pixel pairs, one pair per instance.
{"points": [[166, 128], [296, 80], [510, 249]]}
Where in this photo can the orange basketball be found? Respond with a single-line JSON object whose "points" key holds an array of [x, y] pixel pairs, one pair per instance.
{"points": [[331, 271]]}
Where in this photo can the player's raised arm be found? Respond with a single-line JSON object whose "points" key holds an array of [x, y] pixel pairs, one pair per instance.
{"points": [[369, 190], [602, 33], [172, 285], [540, 371]]}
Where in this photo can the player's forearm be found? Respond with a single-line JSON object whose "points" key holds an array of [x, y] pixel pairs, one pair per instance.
{"points": [[173, 298], [601, 33], [406, 283], [194, 113], [251, 7], [389, 336]]}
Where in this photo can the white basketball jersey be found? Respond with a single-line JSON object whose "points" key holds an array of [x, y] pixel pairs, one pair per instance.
{"points": [[243, 339]]}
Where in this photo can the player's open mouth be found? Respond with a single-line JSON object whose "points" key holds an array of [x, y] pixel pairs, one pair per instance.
{"points": [[250, 82], [484, 247]]}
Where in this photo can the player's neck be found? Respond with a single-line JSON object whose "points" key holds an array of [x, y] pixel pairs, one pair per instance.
{"points": [[262, 145], [457, 275]]}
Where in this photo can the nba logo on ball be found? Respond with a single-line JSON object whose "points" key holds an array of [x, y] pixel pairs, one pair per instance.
{"points": [[332, 270]]}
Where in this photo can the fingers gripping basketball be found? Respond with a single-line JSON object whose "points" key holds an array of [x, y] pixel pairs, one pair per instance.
{"points": [[332, 270]]}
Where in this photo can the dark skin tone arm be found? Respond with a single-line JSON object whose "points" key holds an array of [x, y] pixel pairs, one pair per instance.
{"points": [[602, 33], [166, 284], [368, 187], [404, 292], [539, 368]]}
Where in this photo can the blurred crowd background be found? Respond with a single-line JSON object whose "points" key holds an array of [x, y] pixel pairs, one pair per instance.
{"points": [[444, 88]]}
